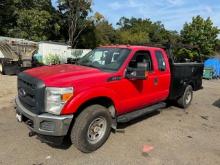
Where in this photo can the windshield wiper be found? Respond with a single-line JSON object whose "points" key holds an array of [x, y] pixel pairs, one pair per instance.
{"points": [[90, 65]]}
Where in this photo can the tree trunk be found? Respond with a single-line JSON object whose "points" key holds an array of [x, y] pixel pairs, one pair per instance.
{"points": [[77, 21]]}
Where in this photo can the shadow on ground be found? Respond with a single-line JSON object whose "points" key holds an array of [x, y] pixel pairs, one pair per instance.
{"points": [[56, 142], [66, 143], [217, 103], [137, 120]]}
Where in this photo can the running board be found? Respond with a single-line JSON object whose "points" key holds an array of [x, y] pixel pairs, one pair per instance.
{"points": [[135, 114]]}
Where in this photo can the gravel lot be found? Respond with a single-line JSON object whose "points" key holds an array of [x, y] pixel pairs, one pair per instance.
{"points": [[178, 137]]}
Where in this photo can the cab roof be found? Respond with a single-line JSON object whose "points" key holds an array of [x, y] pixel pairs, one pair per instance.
{"points": [[131, 47]]}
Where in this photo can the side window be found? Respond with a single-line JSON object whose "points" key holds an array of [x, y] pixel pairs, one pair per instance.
{"points": [[160, 61], [142, 59]]}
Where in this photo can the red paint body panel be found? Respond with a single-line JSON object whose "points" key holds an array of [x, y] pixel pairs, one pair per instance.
{"points": [[89, 83]]}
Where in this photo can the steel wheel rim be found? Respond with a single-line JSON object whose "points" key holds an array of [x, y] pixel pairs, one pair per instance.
{"points": [[96, 130], [188, 97]]}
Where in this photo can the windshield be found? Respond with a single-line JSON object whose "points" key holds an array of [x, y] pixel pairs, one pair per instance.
{"points": [[105, 58]]}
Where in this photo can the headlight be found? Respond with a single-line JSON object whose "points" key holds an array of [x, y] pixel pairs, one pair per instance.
{"points": [[55, 99]]}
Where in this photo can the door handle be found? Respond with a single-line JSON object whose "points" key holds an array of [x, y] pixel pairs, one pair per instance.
{"points": [[156, 81]]}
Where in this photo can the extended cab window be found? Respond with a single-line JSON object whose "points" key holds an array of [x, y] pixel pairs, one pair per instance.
{"points": [[160, 61], [141, 59], [105, 58]]}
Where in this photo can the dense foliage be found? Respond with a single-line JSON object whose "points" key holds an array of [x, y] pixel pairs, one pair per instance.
{"points": [[142, 31], [7, 15], [71, 21], [202, 33], [31, 19]]}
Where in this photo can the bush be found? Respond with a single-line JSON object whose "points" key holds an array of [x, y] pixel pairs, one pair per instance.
{"points": [[184, 55], [52, 59]]}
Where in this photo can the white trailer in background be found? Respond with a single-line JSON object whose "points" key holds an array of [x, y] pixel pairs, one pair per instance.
{"points": [[62, 51], [18, 54]]}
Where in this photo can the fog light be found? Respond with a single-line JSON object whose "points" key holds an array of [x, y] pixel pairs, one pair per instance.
{"points": [[47, 125]]}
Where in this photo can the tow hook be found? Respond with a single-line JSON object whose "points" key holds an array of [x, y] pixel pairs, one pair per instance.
{"points": [[31, 133]]}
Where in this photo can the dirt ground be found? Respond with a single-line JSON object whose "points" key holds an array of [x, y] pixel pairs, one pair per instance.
{"points": [[178, 137]]}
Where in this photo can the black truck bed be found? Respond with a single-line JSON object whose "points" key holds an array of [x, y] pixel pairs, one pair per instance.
{"points": [[183, 74]]}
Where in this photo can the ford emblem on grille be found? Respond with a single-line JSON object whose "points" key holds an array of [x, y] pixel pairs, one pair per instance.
{"points": [[22, 92]]}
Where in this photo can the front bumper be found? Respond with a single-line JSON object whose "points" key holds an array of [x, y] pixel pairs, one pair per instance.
{"points": [[44, 124]]}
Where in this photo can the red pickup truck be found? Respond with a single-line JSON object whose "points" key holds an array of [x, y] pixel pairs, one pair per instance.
{"points": [[109, 85]]}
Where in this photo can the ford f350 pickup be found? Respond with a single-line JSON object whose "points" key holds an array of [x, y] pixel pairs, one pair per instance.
{"points": [[110, 85]]}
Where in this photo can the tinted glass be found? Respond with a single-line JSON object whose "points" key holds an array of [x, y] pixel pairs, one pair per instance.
{"points": [[142, 59], [160, 61]]}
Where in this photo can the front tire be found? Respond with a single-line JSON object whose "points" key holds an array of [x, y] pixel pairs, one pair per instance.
{"points": [[185, 100], [91, 128]]}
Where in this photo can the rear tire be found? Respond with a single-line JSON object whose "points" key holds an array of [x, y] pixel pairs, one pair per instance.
{"points": [[91, 128], [12, 69], [185, 100]]}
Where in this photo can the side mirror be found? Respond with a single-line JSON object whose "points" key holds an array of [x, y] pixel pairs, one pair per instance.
{"points": [[136, 73]]}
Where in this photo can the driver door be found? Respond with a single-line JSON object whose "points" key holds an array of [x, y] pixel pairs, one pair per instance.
{"points": [[139, 93]]}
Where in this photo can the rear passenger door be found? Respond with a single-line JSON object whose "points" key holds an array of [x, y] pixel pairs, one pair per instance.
{"points": [[162, 80]]}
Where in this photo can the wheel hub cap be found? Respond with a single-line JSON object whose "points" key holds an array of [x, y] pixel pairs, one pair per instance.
{"points": [[96, 130]]}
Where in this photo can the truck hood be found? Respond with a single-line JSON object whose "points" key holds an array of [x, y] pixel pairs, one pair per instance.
{"points": [[62, 75]]}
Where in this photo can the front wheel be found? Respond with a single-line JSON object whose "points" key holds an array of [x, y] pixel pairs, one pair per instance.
{"points": [[91, 128], [185, 100]]}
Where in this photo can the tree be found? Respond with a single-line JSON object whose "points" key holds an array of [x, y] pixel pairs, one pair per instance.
{"points": [[201, 33], [173, 37], [34, 4], [98, 32], [142, 31], [133, 38], [133, 31], [76, 12], [98, 18], [32, 24], [104, 32], [7, 14], [217, 48], [87, 39], [158, 33], [30, 19]]}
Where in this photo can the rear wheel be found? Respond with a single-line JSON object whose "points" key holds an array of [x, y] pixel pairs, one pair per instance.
{"points": [[185, 100], [91, 128], [10, 69]]}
